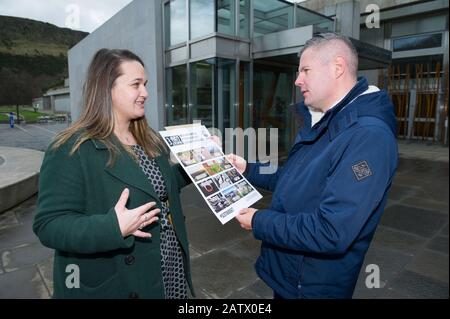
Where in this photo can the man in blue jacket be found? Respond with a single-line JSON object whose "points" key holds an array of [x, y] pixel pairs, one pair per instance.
{"points": [[329, 196]]}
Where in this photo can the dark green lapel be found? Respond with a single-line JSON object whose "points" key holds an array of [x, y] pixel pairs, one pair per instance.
{"points": [[126, 169]]}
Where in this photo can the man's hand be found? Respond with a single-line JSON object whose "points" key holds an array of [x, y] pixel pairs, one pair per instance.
{"points": [[245, 217], [216, 140], [237, 161]]}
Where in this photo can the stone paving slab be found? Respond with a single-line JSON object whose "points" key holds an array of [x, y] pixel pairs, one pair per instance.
{"points": [[34, 136], [397, 240], [416, 286], [421, 222], [25, 283], [430, 264], [440, 244], [16, 236], [246, 248], [219, 273], [422, 150], [206, 233], [24, 255], [46, 271]]}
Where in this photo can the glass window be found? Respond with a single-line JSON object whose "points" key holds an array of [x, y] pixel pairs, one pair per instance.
{"points": [[244, 18], [202, 88], [226, 94], [305, 17], [417, 66], [176, 95], [175, 22], [244, 95], [202, 17], [272, 16], [272, 98], [226, 16], [423, 41]]}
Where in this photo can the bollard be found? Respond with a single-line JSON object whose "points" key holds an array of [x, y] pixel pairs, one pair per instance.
{"points": [[11, 120]]}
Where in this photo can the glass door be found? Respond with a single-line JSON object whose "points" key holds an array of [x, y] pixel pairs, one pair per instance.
{"points": [[176, 95], [202, 92], [274, 97], [226, 94]]}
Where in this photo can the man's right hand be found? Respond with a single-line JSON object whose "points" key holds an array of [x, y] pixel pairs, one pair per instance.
{"points": [[131, 221], [237, 161]]}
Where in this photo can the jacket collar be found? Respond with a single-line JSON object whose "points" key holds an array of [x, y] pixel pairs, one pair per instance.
{"points": [[309, 134], [127, 170], [99, 144]]}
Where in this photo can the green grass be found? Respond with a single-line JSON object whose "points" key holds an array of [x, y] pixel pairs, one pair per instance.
{"points": [[27, 112], [22, 47]]}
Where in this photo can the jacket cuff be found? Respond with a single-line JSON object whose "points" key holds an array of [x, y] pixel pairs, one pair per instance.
{"points": [[256, 224], [253, 219], [248, 169], [122, 242]]}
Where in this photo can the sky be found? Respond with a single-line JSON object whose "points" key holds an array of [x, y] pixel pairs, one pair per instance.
{"points": [[83, 15]]}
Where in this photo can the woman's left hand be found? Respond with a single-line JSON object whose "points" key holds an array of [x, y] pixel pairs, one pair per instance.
{"points": [[131, 221]]}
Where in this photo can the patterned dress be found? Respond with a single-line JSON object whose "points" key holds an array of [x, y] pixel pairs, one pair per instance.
{"points": [[172, 266]]}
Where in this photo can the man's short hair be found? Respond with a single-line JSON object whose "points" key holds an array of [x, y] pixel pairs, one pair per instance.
{"points": [[324, 39]]}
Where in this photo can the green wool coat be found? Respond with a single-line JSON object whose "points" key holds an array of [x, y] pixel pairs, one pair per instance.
{"points": [[76, 217]]}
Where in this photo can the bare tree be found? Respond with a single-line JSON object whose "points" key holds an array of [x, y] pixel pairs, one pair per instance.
{"points": [[15, 89]]}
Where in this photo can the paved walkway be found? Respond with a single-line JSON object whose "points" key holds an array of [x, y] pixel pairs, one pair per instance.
{"points": [[423, 150], [19, 175], [410, 245], [34, 136]]}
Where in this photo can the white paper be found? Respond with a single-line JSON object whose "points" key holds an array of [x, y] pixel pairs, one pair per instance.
{"points": [[223, 188]]}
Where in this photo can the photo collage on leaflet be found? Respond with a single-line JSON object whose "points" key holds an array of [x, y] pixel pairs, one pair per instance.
{"points": [[225, 190]]}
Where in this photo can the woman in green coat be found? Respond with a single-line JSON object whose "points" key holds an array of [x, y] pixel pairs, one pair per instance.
{"points": [[109, 198]]}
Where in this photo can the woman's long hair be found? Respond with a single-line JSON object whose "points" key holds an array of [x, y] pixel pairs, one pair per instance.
{"points": [[97, 118]]}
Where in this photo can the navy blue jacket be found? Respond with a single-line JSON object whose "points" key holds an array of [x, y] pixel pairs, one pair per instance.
{"points": [[328, 198]]}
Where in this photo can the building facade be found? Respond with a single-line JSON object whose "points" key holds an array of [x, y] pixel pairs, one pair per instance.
{"points": [[56, 100], [226, 63], [417, 79]]}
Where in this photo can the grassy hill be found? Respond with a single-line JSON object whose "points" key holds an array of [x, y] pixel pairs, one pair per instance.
{"points": [[33, 57], [21, 36]]}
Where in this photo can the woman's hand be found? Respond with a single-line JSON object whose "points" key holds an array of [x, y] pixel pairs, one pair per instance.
{"points": [[237, 161], [132, 220]]}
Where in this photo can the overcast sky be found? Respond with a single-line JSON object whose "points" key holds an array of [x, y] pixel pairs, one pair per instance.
{"points": [[84, 15]]}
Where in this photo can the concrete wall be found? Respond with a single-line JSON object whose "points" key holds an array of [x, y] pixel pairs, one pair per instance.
{"points": [[328, 7], [347, 22], [411, 25], [62, 103], [347, 14], [19, 171], [43, 103], [137, 27]]}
